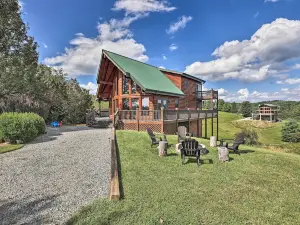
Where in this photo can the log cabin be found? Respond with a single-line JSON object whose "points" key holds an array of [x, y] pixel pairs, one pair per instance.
{"points": [[141, 96]]}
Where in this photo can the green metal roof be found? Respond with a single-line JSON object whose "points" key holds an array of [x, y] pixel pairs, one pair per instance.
{"points": [[148, 77]]}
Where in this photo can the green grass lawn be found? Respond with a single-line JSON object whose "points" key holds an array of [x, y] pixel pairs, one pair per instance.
{"points": [[259, 187], [9, 147], [268, 135]]}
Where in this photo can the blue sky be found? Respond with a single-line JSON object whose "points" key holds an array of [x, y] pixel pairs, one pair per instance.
{"points": [[248, 49]]}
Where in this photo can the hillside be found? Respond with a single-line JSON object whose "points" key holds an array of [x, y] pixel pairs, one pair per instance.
{"points": [[269, 133]]}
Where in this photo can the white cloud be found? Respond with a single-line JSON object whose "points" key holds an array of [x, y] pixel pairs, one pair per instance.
{"points": [[272, 0], [222, 92], [180, 24], [21, 5], [45, 46], [256, 15], [296, 66], [161, 67], [143, 6], [173, 47], [289, 81], [255, 59], [241, 95], [91, 87], [83, 57], [164, 57]]}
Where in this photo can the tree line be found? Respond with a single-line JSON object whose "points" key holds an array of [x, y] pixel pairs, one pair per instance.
{"points": [[288, 109], [29, 86]]}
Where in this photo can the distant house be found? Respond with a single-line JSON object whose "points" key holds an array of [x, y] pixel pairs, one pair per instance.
{"points": [[148, 96], [267, 112]]}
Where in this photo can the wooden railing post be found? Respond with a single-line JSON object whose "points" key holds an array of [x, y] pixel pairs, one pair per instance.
{"points": [[189, 116], [137, 117], [205, 124], [177, 117], [162, 119], [198, 121]]}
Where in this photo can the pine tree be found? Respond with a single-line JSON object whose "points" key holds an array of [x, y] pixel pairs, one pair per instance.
{"points": [[246, 109]]}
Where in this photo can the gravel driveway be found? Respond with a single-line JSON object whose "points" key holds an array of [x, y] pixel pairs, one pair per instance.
{"points": [[49, 179]]}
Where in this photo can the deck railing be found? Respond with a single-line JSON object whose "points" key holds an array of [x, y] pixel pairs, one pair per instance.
{"points": [[211, 94], [167, 115]]}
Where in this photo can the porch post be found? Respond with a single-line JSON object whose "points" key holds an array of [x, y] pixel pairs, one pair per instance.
{"points": [[189, 115], [205, 124], [177, 119], [162, 119], [198, 120], [137, 120]]}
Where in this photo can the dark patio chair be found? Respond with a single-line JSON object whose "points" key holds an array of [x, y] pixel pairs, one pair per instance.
{"points": [[235, 144], [182, 134], [190, 148], [154, 139]]}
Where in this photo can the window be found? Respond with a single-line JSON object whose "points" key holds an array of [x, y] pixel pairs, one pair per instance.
{"points": [[133, 87], [125, 86], [176, 103], [135, 103], [145, 103], [116, 86], [198, 90], [185, 83], [162, 103], [125, 104], [145, 106]]}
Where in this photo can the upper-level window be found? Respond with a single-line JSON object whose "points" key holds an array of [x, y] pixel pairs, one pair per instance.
{"points": [[125, 86], [185, 83], [116, 86], [133, 87], [176, 103]]}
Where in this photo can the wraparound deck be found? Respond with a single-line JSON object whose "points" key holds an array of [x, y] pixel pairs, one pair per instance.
{"points": [[166, 121]]}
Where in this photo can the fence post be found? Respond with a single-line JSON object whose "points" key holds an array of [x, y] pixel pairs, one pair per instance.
{"points": [[162, 119], [137, 120]]}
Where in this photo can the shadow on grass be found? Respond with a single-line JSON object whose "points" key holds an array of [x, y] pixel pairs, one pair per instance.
{"points": [[29, 210], [194, 160]]}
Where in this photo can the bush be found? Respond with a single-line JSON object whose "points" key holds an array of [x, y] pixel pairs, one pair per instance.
{"points": [[250, 136], [1, 136], [21, 126], [291, 131]]}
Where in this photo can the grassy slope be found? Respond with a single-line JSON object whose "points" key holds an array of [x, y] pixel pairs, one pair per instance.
{"points": [[270, 135], [8, 148], [261, 187]]}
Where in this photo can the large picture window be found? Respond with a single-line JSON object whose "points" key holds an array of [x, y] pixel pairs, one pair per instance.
{"points": [[133, 87], [125, 86], [135, 103], [126, 104]]}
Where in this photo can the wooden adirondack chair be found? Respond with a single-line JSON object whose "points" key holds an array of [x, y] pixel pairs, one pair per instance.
{"points": [[154, 139], [182, 134], [190, 149], [235, 144]]}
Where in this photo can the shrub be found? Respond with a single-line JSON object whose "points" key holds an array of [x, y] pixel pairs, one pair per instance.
{"points": [[250, 136], [21, 126], [1, 136], [291, 131]]}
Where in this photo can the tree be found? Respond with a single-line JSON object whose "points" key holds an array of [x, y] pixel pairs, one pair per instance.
{"points": [[221, 105], [291, 131], [233, 108], [246, 109], [227, 107], [18, 54]]}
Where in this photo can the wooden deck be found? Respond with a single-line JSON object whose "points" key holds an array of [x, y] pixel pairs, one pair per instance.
{"points": [[166, 121]]}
